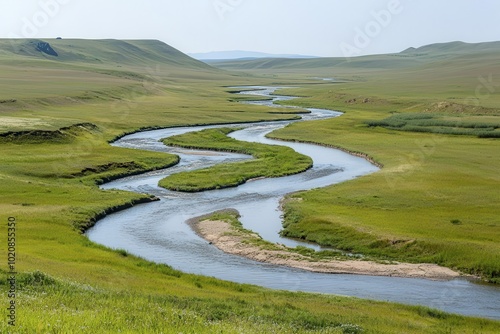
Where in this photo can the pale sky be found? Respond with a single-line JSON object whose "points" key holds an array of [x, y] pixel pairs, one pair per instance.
{"points": [[309, 27]]}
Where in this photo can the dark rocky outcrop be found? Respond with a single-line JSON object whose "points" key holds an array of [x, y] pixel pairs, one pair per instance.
{"points": [[45, 47]]}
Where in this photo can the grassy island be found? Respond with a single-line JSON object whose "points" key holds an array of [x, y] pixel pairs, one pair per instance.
{"points": [[269, 161]]}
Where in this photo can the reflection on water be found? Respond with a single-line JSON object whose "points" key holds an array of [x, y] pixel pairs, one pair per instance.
{"points": [[157, 231]]}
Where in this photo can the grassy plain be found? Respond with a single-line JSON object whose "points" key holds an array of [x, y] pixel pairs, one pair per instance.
{"points": [[269, 161], [68, 284], [436, 199]]}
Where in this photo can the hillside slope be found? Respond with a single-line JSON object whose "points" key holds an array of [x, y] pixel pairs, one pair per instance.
{"points": [[100, 52], [36, 71], [409, 58]]}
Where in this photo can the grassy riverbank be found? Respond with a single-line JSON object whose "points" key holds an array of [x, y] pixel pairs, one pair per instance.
{"points": [[172, 302], [435, 200], [269, 161], [68, 284]]}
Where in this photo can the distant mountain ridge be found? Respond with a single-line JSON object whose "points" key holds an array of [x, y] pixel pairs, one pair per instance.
{"points": [[238, 54], [407, 58], [146, 53]]}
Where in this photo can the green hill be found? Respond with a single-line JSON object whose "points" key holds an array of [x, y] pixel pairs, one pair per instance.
{"points": [[454, 48], [409, 58], [100, 52], [374, 62], [36, 71]]}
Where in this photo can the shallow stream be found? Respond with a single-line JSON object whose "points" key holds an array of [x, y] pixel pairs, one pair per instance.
{"points": [[158, 232]]}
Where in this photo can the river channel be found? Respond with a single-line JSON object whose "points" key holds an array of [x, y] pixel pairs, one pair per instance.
{"points": [[158, 231]]}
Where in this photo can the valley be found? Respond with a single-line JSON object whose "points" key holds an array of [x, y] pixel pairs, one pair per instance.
{"points": [[435, 199]]}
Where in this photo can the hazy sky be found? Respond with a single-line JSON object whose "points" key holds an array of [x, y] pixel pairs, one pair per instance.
{"points": [[310, 27]]}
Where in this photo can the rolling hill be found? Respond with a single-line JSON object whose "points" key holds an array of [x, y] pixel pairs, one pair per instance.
{"points": [[100, 52], [456, 47], [408, 58], [238, 54], [34, 69]]}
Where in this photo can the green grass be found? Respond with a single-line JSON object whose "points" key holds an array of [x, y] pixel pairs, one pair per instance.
{"points": [[204, 305], [270, 161], [77, 154], [48, 182]]}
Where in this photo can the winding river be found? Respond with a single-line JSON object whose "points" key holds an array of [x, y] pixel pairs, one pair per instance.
{"points": [[157, 231]]}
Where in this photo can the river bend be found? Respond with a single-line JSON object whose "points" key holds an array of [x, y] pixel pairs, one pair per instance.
{"points": [[158, 232]]}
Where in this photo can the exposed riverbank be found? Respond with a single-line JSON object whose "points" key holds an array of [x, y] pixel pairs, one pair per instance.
{"points": [[223, 235]]}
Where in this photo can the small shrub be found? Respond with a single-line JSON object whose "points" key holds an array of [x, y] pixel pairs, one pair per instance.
{"points": [[36, 278], [351, 329], [122, 252]]}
